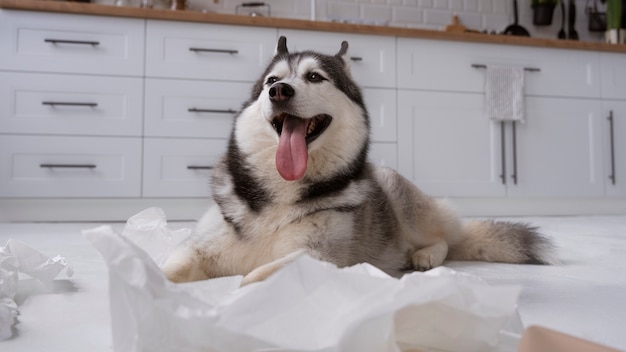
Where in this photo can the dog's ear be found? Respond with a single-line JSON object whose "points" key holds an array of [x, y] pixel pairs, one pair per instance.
{"points": [[343, 51], [281, 47], [343, 55]]}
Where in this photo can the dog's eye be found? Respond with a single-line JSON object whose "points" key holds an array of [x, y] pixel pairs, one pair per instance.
{"points": [[271, 80], [314, 77]]}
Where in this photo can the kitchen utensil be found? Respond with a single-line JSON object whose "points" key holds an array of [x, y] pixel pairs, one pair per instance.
{"points": [[456, 25], [562, 34], [515, 28], [571, 21], [597, 19], [253, 6]]}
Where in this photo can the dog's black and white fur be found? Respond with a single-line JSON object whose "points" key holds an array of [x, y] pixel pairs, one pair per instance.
{"points": [[296, 179]]}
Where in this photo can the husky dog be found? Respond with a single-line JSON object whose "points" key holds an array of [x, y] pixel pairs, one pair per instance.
{"points": [[295, 179]]}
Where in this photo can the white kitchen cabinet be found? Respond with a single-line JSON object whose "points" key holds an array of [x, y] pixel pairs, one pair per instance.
{"points": [[70, 104], [447, 146], [186, 108], [384, 155], [559, 150], [613, 76], [447, 66], [207, 51], [62, 166], [44, 42], [614, 136], [373, 62], [381, 106], [179, 167]]}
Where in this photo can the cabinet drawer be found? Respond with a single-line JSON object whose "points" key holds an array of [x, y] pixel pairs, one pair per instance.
{"points": [[373, 62], [180, 108], [207, 51], [45, 42], [447, 66], [179, 167], [62, 104], [36, 166]]}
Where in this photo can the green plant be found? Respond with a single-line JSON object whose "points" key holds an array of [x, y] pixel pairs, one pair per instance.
{"points": [[613, 14]]}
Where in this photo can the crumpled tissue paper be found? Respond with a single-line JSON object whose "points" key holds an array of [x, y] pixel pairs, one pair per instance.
{"points": [[18, 257], [307, 306]]}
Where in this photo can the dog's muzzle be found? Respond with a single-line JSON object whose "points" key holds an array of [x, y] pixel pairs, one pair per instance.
{"points": [[281, 92]]}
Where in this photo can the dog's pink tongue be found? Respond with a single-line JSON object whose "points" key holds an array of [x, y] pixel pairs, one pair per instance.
{"points": [[292, 154]]}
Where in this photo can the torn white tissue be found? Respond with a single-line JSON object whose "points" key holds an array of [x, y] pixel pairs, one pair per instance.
{"points": [[18, 257], [307, 306], [148, 229]]}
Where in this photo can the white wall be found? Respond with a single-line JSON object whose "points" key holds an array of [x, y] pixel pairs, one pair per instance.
{"points": [[490, 15]]}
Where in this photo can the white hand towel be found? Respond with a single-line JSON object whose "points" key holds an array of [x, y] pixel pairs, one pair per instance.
{"points": [[504, 93]]}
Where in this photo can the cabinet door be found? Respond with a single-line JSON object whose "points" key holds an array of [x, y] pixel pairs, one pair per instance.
{"points": [[207, 51], [559, 149], [381, 107], [613, 75], [615, 150], [447, 146], [47, 42], [373, 62]]}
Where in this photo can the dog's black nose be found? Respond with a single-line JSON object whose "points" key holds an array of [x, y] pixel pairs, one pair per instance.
{"points": [[281, 92]]}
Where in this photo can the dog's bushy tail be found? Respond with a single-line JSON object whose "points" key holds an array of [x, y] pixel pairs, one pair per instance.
{"points": [[503, 242]]}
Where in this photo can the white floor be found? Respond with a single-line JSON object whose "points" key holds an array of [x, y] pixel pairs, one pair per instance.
{"points": [[584, 296]]}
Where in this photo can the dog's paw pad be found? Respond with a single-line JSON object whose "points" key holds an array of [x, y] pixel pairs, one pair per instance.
{"points": [[427, 258]]}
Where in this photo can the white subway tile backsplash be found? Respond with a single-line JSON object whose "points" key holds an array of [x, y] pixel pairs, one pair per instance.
{"points": [[470, 5], [502, 7], [407, 15], [491, 15], [343, 10], [439, 18], [456, 5], [471, 20], [376, 13], [485, 6], [494, 22], [440, 4], [426, 4]]}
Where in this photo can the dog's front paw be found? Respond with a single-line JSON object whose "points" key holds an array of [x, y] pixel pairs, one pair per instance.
{"points": [[256, 275], [430, 257]]}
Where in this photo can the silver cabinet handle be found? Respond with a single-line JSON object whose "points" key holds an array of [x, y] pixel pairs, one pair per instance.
{"points": [[68, 103], [356, 58], [218, 111], [503, 151], [77, 42], [529, 69], [209, 50], [612, 147], [199, 167], [514, 175], [67, 166]]}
